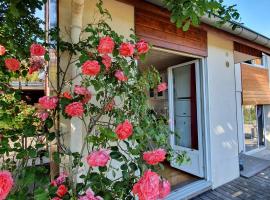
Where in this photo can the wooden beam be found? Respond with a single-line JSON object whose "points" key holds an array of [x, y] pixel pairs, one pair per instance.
{"points": [[247, 50], [148, 7], [155, 27]]}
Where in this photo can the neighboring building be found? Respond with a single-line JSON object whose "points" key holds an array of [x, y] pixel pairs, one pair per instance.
{"points": [[218, 92]]}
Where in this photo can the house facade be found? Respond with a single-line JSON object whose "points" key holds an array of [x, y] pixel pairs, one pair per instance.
{"points": [[218, 88]]}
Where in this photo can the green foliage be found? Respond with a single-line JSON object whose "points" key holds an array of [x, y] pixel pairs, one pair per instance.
{"points": [[19, 26], [188, 12]]}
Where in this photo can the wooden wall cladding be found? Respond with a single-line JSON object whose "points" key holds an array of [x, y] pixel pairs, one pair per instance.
{"points": [[255, 85], [247, 49], [154, 26]]}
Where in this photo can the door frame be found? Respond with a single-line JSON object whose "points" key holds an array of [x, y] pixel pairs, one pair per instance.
{"points": [[200, 150], [200, 186]]}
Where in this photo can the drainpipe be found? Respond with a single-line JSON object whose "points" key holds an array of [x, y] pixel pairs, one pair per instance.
{"points": [[241, 30], [76, 132], [76, 125], [76, 19]]}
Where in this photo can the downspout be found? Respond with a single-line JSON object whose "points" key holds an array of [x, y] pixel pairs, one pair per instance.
{"points": [[76, 125], [77, 7], [76, 131], [241, 31]]}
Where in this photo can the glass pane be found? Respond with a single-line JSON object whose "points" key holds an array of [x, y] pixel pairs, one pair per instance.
{"points": [[182, 105], [250, 127]]}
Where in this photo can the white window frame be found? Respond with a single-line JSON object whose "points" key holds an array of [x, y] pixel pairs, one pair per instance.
{"points": [[264, 135]]}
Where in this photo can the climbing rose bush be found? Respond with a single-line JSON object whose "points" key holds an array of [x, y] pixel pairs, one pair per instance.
{"points": [[142, 47], [124, 130], [74, 109], [150, 186], [154, 157], [106, 45], [2, 50], [162, 87], [37, 50], [101, 88], [12, 64], [98, 158], [6, 183], [48, 102]]}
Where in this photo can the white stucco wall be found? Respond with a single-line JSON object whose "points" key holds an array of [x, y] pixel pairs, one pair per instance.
{"points": [[222, 111]]}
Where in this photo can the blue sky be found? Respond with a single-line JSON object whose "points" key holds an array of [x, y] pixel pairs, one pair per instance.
{"points": [[255, 14]]}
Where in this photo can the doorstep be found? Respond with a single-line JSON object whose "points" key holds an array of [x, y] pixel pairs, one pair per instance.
{"points": [[190, 190]]}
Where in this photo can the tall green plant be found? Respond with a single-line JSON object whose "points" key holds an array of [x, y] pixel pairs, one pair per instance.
{"points": [[185, 13]]}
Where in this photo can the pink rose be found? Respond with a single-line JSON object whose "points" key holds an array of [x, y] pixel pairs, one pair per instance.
{"points": [[154, 157], [120, 75], [43, 116], [32, 69], [124, 130], [162, 86], [107, 61], [53, 183], [106, 45], [83, 91], [61, 178], [74, 109], [2, 50], [6, 183], [110, 106], [67, 95], [142, 47], [56, 198], [126, 49], [47, 102], [36, 64], [37, 50], [12, 64], [90, 195], [147, 188], [98, 158], [164, 189], [62, 190], [91, 68]]}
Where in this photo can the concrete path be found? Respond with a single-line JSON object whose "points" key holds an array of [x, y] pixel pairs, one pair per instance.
{"points": [[253, 188]]}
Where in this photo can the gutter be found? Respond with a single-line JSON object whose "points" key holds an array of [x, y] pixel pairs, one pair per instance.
{"points": [[240, 31]]}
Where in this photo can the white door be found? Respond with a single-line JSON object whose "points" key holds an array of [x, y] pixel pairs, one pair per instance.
{"points": [[184, 105]]}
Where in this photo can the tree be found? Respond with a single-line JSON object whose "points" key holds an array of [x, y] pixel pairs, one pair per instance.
{"points": [[188, 12]]}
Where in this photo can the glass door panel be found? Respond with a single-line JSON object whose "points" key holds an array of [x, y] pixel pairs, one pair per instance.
{"points": [[253, 127], [184, 107], [250, 128]]}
